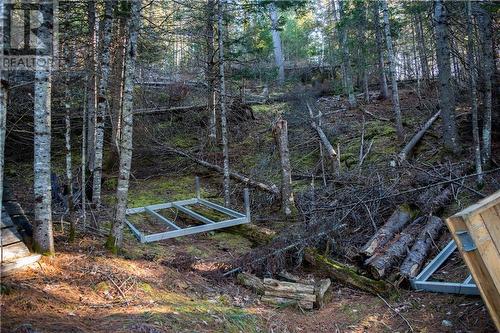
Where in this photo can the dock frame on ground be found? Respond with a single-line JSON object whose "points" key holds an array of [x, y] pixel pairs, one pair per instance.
{"points": [[235, 218]]}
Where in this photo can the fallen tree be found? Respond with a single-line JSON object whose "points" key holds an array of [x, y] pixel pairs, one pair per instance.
{"points": [[346, 275], [381, 264], [324, 140], [398, 220], [417, 137], [421, 248], [271, 188]]}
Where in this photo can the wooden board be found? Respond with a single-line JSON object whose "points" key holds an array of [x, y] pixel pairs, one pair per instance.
{"points": [[21, 263], [14, 251], [10, 236], [482, 222]]}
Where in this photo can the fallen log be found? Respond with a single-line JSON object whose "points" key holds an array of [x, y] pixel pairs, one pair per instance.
{"points": [[252, 282], [280, 301], [320, 289], [271, 188], [259, 236], [416, 138], [381, 265], [433, 200], [421, 248], [346, 275], [398, 220], [324, 140], [277, 291]]}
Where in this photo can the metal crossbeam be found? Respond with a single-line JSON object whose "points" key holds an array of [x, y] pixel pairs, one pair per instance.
{"points": [[220, 208], [193, 214], [468, 287], [162, 218]]}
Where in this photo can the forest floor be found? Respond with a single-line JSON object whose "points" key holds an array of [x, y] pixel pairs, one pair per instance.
{"points": [[171, 285]]}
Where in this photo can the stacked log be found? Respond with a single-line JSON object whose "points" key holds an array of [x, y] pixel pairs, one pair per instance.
{"points": [[282, 292], [398, 220], [420, 250], [403, 245], [306, 295]]}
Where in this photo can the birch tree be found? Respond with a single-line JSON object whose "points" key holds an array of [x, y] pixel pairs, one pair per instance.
{"points": [[42, 231], [392, 69], [277, 47], [384, 93], [91, 84], [67, 139], [473, 94], [102, 101], [446, 97], [210, 70], [488, 66], [222, 103], [116, 237]]}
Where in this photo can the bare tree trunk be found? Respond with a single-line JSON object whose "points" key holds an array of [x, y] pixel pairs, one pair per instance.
{"points": [[116, 90], [422, 52], [116, 238], [485, 31], [415, 62], [67, 138], [473, 94], [281, 136], [446, 96], [91, 84], [102, 101], [277, 48], [42, 231], [346, 58], [3, 114], [83, 164], [362, 38], [384, 93], [222, 104], [392, 69], [210, 71]]}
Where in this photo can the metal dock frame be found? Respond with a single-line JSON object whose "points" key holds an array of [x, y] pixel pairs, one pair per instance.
{"points": [[236, 218], [421, 282]]}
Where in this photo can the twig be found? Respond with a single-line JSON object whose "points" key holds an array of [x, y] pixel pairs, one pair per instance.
{"points": [[396, 312], [373, 115], [118, 288]]}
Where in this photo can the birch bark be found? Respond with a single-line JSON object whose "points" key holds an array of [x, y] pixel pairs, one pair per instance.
{"points": [[91, 83], [392, 69], [277, 47], [102, 101], [222, 104], [210, 71], [126, 146], [42, 231], [67, 139], [446, 97]]}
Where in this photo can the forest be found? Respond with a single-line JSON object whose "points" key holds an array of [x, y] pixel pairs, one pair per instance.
{"points": [[249, 166]]}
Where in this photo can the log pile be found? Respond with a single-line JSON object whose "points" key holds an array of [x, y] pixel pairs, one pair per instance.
{"points": [[304, 293], [402, 244]]}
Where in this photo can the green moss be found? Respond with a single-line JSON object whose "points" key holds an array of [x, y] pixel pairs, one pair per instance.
{"points": [[162, 189], [111, 245], [110, 183], [146, 287], [196, 252], [234, 242], [379, 129], [183, 141]]}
